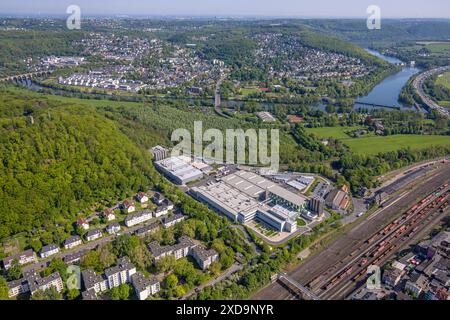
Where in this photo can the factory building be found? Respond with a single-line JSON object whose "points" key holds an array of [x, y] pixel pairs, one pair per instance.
{"points": [[317, 205], [245, 196], [179, 170]]}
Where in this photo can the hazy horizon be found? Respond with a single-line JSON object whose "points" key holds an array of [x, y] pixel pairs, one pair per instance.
{"points": [[437, 9]]}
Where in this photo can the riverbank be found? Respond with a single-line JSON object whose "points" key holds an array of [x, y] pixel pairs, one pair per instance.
{"points": [[385, 93]]}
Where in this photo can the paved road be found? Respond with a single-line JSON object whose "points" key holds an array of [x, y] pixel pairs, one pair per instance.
{"points": [[418, 85]]}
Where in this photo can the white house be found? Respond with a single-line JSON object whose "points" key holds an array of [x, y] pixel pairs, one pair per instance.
{"points": [[128, 206], [142, 197], [49, 250], [72, 242], [203, 257], [93, 235], [83, 223], [121, 273], [108, 215], [22, 258], [168, 222], [113, 228], [158, 198], [138, 218]]}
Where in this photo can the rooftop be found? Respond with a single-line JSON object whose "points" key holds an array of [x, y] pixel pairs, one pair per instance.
{"points": [[71, 240], [204, 254], [90, 278], [175, 217], [228, 198], [26, 253], [35, 281], [183, 242], [123, 264], [138, 215], [48, 248], [147, 228], [179, 167], [93, 232], [140, 282]]}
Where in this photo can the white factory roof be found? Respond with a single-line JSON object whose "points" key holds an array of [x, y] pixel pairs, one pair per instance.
{"points": [[179, 167], [228, 198], [297, 185], [288, 195], [254, 185], [283, 212]]}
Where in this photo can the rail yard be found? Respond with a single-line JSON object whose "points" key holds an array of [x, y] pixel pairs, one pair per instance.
{"points": [[342, 267]]}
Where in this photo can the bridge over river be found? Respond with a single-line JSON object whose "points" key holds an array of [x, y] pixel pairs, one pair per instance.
{"points": [[375, 105]]}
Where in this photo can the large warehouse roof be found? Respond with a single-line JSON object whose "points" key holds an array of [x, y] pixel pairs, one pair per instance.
{"points": [[227, 197], [288, 195]]}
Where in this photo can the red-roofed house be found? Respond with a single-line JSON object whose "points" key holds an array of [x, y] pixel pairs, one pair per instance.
{"points": [[142, 197], [128, 206], [83, 223], [295, 119], [108, 214]]}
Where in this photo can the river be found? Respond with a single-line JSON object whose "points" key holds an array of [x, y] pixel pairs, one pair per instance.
{"points": [[387, 92]]}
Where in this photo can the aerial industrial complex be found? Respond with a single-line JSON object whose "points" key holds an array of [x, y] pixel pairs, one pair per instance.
{"points": [[245, 196], [182, 169]]}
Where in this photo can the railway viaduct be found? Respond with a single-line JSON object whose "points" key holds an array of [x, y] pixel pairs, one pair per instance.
{"points": [[25, 76]]}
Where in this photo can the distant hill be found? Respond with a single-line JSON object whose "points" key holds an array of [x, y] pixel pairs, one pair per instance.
{"points": [[392, 31]]}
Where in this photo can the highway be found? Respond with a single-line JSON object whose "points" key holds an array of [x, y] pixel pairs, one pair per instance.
{"points": [[418, 86], [347, 249]]}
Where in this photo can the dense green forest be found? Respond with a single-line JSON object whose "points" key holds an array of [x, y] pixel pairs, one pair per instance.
{"points": [[59, 159]]}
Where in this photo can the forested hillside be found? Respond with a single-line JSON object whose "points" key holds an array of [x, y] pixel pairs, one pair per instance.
{"points": [[59, 159], [392, 31], [16, 46]]}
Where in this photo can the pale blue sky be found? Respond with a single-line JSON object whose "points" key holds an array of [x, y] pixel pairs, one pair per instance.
{"points": [[300, 8]]}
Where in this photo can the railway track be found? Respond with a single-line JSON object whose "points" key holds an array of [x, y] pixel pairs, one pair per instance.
{"points": [[380, 246], [333, 259]]}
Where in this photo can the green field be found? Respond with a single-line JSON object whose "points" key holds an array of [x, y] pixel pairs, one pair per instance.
{"points": [[249, 91], [375, 145], [439, 48], [332, 132], [445, 103], [436, 47], [444, 80]]}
